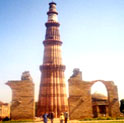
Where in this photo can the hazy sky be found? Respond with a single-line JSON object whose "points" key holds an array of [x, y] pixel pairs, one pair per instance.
{"points": [[92, 32]]}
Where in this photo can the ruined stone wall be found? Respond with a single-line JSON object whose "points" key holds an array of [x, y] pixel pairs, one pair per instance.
{"points": [[113, 100], [23, 106], [4, 110], [80, 103]]}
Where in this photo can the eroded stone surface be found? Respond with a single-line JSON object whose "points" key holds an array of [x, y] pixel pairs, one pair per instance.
{"points": [[80, 99], [23, 106]]}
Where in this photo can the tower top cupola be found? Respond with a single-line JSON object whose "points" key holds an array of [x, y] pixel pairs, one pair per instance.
{"points": [[52, 13]]}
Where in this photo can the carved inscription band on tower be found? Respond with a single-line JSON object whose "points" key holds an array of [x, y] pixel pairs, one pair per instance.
{"points": [[52, 95]]}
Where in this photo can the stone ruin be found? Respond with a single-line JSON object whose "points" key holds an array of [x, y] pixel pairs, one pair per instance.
{"points": [[80, 99], [82, 104], [23, 104], [26, 76]]}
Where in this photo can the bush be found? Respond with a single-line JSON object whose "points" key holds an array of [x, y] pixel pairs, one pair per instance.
{"points": [[87, 119], [119, 118], [99, 118], [122, 106]]}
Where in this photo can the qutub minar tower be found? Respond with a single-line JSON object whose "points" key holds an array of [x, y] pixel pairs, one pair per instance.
{"points": [[52, 95]]}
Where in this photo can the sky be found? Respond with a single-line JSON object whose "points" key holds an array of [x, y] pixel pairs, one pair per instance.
{"points": [[92, 32]]}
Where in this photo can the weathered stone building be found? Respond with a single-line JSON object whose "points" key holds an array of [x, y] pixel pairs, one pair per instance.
{"points": [[99, 105], [23, 106], [52, 94], [80, 98], [4, 110]]}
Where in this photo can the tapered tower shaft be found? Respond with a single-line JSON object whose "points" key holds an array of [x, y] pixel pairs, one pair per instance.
{"points": [[52, 95]]}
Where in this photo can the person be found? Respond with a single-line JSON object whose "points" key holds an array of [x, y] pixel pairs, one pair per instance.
{"points": [[61, 118], [45, 117], [51, 116], [66, 116], [6, 119]]}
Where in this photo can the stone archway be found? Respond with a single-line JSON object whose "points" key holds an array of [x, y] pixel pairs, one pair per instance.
{"points": [[99, 99], [113, 102], [80, 100]]}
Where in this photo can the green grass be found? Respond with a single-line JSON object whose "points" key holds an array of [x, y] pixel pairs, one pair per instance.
{"points": [[102, 121], [98, 121]]}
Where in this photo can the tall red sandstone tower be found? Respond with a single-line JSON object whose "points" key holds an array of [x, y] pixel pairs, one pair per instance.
{"points": [[52, 95]]}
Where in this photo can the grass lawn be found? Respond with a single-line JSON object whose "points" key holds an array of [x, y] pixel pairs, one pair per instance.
{"points": [[96, 121], [102, 121]]}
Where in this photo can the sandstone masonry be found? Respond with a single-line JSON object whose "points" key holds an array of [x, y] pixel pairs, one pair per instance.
{"points": [[23, 106], [80, 99]]}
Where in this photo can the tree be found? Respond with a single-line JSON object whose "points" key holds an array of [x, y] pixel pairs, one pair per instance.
{"points": [[122, 106]]}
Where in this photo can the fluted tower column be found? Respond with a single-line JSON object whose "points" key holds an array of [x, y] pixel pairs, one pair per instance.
{"points": [[52, 95]]}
